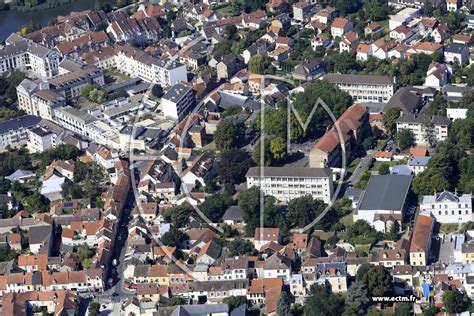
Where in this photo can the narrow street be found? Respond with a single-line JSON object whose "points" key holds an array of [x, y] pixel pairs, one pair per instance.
{"points": [[360, 167]]}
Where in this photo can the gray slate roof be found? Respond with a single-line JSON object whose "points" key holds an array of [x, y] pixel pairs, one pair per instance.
{"points": [[289, 172], [24, 121], [386, 192], [360, 79]]}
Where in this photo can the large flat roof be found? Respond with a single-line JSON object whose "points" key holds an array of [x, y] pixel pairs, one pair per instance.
{"points": [[386, 192]]}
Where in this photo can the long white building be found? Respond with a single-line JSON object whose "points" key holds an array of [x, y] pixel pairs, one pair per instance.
{"points": [[137, 63], [287, 183], [448, 207], [364, 88]]}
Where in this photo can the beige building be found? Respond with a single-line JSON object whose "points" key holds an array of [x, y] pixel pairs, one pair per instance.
{"points": [[327, 151], [421, 241]]}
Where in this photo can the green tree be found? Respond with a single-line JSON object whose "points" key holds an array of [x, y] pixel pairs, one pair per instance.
{"points": [[405, 139], [394, 232], [267, 154], [430, 310], [437, 106], [178, 215], [404, 309], [175, 301], [7, 254], [303, 210], [234, 301], [173, 237], [463, 130], [377, 279], [94, 309], [230, 133], [455, 301], [275, 122], [284, 304], [442, 171], [322, 302], [240, 247], [361, 231], [278, 148], [357, 301], [466, 181], [71, 190], [389, 120], [233, 165], [249, 203], [256, 64], [384, 168], [215, 206], [346, 7], [376, 10]]}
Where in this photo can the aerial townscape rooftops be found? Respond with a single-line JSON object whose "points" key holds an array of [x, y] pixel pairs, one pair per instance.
{"points": [[237, 158]]}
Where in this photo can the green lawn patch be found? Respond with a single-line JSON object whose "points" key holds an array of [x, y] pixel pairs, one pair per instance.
{"points": [[449, 228]]}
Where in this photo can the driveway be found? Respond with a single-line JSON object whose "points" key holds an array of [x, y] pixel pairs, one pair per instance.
{"points": [[363, 163]]}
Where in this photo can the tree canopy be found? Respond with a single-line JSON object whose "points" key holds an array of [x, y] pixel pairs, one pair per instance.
{"points": [[233, 165], [322, 302], [230, 133]]}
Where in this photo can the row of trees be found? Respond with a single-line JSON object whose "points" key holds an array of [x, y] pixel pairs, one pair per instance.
{"points": [[276, 120], [8, 97]]}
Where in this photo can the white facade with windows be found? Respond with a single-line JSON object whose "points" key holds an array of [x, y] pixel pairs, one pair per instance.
{"points": [[286, 184], [178, 101], [25, 55], [426, 129], [448, 207], [364, 88]]}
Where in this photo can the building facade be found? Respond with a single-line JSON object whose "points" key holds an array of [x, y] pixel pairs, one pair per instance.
{"points": [[286, 184], [448, 207], [364, 88], [425, 129], [178, 101]]}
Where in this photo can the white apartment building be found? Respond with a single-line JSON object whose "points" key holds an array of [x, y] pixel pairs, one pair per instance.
{"points": [[286, 184], [40, 139], [14, 132], [35, 99], [178, 101], [169, 72], [364, 88], [25, 55], [448, 207], [74, 120], [137, 63], [426, 129]]}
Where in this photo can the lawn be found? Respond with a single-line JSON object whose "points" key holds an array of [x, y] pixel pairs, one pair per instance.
{"points": [[210, 147], [113, 76], [353, 165], [449, 228], [392, 163], [383, 23], [225, 9], [347, 220]]}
